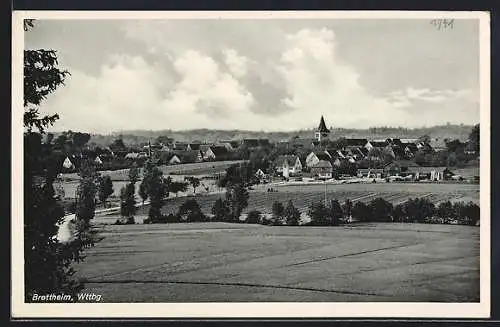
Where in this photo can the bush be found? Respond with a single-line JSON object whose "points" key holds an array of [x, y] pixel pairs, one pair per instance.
{"points": [[291, 214], [278, 212], [254, 217], [130, 221], [319, 215], [361, 211]]}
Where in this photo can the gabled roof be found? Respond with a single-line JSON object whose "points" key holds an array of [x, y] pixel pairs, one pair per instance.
{"points": [[251, 142], [378, 144], [323, 164], [189, 155], [322, 156], [194, 146], [322, 126], [411, 146], [219, 150], [290, 159], [356, 142]]}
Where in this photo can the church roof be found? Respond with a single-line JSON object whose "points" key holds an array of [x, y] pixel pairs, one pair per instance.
{"points": [[322, 126]]}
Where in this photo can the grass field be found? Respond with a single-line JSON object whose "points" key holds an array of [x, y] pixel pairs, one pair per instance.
{"points": [[218, 262], [302, 196]]}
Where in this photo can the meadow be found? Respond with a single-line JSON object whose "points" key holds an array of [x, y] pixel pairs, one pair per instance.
{"points": [[303, 195], [220, 262]]}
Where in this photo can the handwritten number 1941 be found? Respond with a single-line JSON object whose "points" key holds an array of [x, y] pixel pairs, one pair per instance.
{"points": [[443, 23]]}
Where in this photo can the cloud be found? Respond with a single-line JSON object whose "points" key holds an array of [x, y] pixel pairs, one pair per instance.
{"points": [[237, 64], [182, 87]]}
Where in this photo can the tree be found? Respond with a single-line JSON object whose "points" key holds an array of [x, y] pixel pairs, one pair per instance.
{"points": [[48, 263], [320, 215], [190, 211], [361, 212], [291, 214], [156, 187], [278, 213], [474, 139], [143, 191], [254, 217], [381, 210], [195, 182], [237, 197], [335, 212], [425, 139], [133, 175], [347, 208], [127, 200], [220, 210], [105, 188], [445, 211], [176, 187], [398, 214]]}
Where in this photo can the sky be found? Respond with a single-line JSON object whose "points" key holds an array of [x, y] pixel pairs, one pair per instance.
{"points": [[261, 75]]}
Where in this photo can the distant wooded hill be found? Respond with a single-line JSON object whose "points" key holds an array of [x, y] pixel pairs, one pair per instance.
{"points": [[441, 132]]}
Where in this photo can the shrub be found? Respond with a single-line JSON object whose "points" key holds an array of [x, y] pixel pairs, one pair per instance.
{"points": [[361, 211], [220, 210], [278, 212], [254, 217], [130, 221]]}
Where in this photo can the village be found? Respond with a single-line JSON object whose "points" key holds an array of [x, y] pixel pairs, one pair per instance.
{"points": [[298, 160]]}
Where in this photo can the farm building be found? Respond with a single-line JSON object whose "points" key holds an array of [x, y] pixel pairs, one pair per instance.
{"points": [[215, 152], [375, 144], [371, 172], [322, 133], [355, 143], [322, 169], [189, 156], [132, 155], [288, 165], [397, 167], [316, 156], [430, 173]]}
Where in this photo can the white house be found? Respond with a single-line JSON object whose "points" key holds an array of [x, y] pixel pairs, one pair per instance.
{"points": [[316, 156], [288, 165], [98, 160]]}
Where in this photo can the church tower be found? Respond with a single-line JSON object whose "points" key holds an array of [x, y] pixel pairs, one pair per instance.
{"points": [[322, 132]]}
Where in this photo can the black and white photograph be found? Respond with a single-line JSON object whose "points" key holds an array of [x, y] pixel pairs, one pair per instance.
{"points": [[237, 164]]}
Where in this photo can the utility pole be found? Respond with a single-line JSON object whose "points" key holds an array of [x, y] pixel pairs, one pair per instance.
{"points": [[325, 193]]}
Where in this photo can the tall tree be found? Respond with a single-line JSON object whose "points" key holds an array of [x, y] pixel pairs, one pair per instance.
{"points": [[48, 263], [220, 210], [156, 187], [237, 197], [105, 188], [336, 212], [127, 200], [291, 214], [195, 182], [278, 213], [474, 139]]}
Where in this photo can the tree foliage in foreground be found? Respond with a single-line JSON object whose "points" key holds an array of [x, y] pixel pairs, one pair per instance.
{"points": [[49, 262]]}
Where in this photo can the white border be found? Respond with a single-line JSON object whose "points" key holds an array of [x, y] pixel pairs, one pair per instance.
{"points": [[251, 310]]}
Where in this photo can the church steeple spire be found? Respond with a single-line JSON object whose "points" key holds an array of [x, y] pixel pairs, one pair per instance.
{"points": [[322, 132], [322, 126]]}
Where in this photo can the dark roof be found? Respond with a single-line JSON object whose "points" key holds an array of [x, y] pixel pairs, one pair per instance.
{"points": [[322, 164], [195, 146], [301, 142], [402, 163], [411, 146], [291, 159], [219, 150], [322, 156], [189, 156], [322, 126], [235, 144], [356, 142], [181, 146], [378, 144], [251, 142]]}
